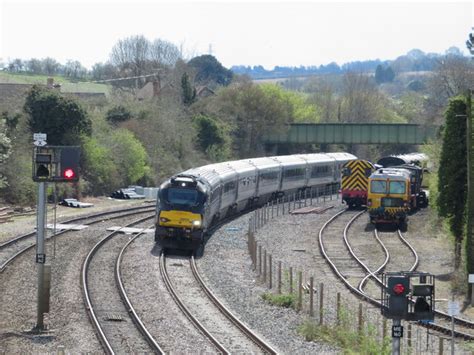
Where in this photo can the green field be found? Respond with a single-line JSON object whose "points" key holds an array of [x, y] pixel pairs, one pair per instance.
{"points": [[66, 85]]}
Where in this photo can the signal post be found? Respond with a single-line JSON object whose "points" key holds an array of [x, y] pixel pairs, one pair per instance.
{"points": [[407, 296], [50, 164]]}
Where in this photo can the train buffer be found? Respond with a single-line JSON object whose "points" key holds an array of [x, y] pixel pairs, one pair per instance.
{"points": [[311, 209]]}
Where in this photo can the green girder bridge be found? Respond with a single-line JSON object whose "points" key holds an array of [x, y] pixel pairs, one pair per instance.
{"points": [[353, 133]]}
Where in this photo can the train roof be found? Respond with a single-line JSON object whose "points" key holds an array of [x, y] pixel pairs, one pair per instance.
{"points": [[412, 158], [389, 173], [316, 158], [342, 156], [290, 160]]}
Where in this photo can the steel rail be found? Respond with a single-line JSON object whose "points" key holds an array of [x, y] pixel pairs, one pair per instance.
{"points": [[184, 309], [20, 252], [363, 295], [85, 288], [130, 309], [100, 214], [267, 348]]}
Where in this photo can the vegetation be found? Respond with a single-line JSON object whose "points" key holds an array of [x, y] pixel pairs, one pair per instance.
{"points": [[346, 338], [61, 118], [280, 300], [127, 139], [452, 176]]}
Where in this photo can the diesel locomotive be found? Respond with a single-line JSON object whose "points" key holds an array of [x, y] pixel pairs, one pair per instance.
{"points": [[394, 192], [189, 203], [355, 182]]}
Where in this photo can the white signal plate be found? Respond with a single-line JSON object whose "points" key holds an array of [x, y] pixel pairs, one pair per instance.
{"points": [[128, 230], [76, 227]]}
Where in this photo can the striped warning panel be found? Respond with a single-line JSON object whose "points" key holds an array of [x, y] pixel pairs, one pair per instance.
{"points": [[356, 175]]}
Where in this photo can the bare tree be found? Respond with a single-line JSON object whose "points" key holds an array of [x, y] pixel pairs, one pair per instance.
{"points": [[131, 55], [360, 99], [164, 53], [453, 75]]}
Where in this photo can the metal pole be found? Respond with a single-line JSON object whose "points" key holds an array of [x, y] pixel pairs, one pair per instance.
{"points": [[452, 335], [396, 340], [40, 253]]}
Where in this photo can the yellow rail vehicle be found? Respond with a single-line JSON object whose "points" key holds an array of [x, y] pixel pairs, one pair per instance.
{"points": [[389, 196]]}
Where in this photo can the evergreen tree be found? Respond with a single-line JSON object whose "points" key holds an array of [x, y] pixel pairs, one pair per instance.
{"points": [[189, 93], [379, 74], [61, 118], [389, 75], [452, 173]]}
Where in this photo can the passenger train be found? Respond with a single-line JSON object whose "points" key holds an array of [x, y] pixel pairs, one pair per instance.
{"points": [[189, 203]]}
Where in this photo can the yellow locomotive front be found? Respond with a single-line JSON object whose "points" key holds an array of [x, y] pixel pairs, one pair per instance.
{"points": [[179, 216], [388, 198]]}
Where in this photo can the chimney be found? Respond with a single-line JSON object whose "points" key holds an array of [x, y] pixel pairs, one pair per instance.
{"points": [[50, 83], [156, 87]]}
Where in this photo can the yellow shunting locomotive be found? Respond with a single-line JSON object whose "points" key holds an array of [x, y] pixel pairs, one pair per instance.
{"points": [[394, 192]]}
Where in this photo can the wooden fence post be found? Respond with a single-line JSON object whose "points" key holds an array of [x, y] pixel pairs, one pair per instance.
{"points": [[321, 303], [279, 277], [384, 328], [338, 307], [270, 272], [265, 266], [360, 327], [440, 346], [291, 279], [311, 296], [300, 290], [259, 260]]}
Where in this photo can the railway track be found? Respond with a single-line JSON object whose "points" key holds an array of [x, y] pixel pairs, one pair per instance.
{"points": [[227, 334], [332, 254], [13, 248], [113, 316]]}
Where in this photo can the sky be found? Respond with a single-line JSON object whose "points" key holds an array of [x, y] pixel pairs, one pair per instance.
{"points": [[267, 33]]}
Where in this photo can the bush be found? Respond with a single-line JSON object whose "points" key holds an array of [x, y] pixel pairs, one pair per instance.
{"points": [[118, 114], [282, 300]]}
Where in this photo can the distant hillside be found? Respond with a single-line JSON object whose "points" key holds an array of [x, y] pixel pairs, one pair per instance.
{"points": [[414, 61]]}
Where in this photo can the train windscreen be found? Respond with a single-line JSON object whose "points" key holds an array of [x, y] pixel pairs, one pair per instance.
{"points": [[186, 197]]}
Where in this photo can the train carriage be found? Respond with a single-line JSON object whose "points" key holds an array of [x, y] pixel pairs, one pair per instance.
{"points": [[191, 202]]}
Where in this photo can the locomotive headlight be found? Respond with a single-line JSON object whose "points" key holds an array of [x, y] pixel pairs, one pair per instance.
{"points": [[196, 223], [164, 219]]}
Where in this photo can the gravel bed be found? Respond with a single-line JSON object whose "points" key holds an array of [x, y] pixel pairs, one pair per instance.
{"points": [[153, 303], [68, 320], [227, 269], [293, 240], [226, 266]]}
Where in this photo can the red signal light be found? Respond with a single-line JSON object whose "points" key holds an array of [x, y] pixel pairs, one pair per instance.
{"points": [[69, 173], [398, 289]]}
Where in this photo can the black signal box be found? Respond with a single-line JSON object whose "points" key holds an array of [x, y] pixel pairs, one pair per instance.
{"points": [[56, 163], [408, 295]]}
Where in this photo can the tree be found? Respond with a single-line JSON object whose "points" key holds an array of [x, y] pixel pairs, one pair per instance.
{"points": [[379, 74], [61, 118], [210, 132], [384, 75], [188, 93], [452, 173], [118, 114], [50, 66], [209, 69], [131, 55], [164, 53]]}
